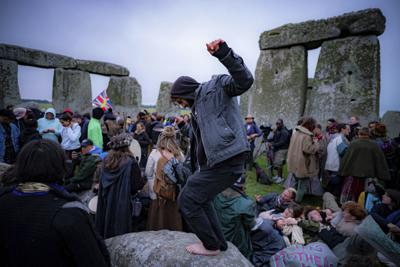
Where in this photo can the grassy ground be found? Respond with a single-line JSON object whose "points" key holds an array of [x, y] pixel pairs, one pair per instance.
{"points": [[254, 188]]}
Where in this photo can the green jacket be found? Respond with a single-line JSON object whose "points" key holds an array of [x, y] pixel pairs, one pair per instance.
{"points": [[237, 217], [87, 167], [95, 133], [364, 159]]}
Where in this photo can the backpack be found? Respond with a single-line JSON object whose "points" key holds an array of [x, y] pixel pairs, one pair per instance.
{"points": [[163, 187]]}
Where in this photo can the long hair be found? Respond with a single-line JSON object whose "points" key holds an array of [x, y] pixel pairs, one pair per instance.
{"points": [[167, 141], [117, 157]]}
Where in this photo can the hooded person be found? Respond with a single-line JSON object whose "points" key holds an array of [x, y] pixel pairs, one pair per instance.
{"points": [[218, 147], [94, 131], [236, 215], [120, 180], [49, 126]]}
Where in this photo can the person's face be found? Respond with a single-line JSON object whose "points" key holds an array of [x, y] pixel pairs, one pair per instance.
{"points": [[249, 120], [139, 127], [5, 119], [347, 217], [317, 131], [287, 213], [279, 125], [286, 196], [77, 120], [182, 103], [353, 120], [65, 123], [346, 131], [386, 199], [186, 118], [49, 116], [86, 149], [314, 216], [280, 224]]}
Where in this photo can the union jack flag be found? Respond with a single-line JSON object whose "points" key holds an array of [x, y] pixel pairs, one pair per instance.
{"points": [[102, 101]]}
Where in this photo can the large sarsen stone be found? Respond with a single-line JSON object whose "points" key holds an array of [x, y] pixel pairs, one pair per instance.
{"points": [[9, 90], [280, 86], [167, 249], [103, 68], [125, 94], [347, 80], [71, 88], [391, 119], [312, 33], [164, 104], [34, 57]]}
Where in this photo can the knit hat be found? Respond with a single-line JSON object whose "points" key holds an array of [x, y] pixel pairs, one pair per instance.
{"points": [[184, 87], [120, 141], [68, 110], [19, 113]]}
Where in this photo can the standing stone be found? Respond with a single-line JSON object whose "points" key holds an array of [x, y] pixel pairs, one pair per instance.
{"points": [[312, 33], [280, 86], [125, 94], [104, 68], [34, 57], [72, 89], [392, 121], [9, 90], [347, 80], [164, 104]]}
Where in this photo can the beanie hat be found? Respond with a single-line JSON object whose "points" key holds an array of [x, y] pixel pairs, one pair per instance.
{"points": [[184, 87]]}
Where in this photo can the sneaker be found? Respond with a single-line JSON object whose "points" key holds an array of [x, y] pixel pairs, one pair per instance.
{"points": [[278, 180]]}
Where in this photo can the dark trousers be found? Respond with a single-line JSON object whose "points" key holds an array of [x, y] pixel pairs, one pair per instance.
{"points": [[195, 203]]}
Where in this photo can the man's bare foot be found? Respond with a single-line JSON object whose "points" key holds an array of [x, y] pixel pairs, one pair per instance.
{"points": [[199, 249]]}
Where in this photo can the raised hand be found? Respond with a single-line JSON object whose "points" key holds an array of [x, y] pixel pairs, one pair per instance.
{"points": [[214, 46]]}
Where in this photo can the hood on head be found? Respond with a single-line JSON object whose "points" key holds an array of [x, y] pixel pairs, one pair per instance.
{"points": [[50, 110]]}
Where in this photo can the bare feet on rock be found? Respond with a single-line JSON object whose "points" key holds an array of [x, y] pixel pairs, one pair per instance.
{"points": [[199, 249]]}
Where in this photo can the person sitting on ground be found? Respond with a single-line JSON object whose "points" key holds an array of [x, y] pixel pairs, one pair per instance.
{"points": [[236, 215], [372, 195], [276, 201], [266, 240], [41, 223], [91, 156], [314, 220], [293, 233], [390, 202]]}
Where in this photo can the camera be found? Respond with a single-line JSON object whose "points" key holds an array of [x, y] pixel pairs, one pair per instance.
{"points": [[266, 130]]}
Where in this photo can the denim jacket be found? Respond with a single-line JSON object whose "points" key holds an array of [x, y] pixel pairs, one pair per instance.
{"points": [[217, 111], [14, 137]]}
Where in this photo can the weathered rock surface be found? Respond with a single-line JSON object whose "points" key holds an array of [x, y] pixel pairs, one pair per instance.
{"points": [[164, 104], [4, 167], [166, 248], [312, 33], [103, 68], [280, 86], [9, 89], [34, 57], [392, 121], [71, 88], [125, 94], [347, 80]]}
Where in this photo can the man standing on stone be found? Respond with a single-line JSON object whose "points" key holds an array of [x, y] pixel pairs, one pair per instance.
{"points": [[219, 145]]}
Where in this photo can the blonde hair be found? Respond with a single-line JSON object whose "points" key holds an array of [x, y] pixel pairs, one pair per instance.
{"points": [[167, 141]]}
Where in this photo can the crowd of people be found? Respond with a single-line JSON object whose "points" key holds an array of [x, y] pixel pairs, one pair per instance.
{"points": [[189, 176]]}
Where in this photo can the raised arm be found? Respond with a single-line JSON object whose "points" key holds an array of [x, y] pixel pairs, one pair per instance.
{"points": [[241, 78]]}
